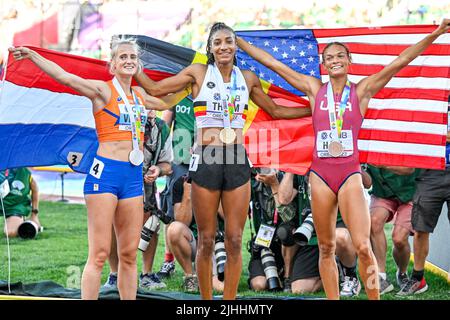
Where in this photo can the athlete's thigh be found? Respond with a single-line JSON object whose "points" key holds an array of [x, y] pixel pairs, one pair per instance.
{"points": [[354, 208], [100, 210], [128, 222], [205, 203], [235, 204], [324, 209]]}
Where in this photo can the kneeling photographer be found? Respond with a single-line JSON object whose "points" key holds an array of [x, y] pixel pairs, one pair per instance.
{"points": [[20, 196], [182, 238], [266, 265], [300, 242]]}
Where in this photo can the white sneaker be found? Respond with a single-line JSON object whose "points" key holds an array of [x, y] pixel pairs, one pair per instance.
{"points": [[350, 287]]}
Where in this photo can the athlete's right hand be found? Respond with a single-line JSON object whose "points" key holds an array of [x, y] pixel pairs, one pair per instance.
{"points": [[20, 53]]}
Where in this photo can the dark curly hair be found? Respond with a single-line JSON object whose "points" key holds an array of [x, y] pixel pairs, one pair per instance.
{"points": [[217, 27], [336, 43]]}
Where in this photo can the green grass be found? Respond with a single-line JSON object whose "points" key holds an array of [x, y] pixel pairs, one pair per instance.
{"points": [[59, 253]]}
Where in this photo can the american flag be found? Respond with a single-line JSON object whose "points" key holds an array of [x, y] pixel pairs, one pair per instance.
{"points": [[406, 123]]}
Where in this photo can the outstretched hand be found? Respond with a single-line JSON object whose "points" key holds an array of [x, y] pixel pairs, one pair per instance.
{"points": [[20, 53], [444, 27]]}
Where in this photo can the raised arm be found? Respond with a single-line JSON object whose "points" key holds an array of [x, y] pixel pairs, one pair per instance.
{"points": [[369, 86], [178, 82], [267, 104], [93, 89], [164, 103], [307, 84]]}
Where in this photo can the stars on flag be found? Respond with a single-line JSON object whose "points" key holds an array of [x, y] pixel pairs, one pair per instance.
{"points": [[297, 51]]}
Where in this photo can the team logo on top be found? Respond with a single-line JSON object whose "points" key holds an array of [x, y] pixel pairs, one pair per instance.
{"points": [[119, 99], [210, 84], [216, 96]]}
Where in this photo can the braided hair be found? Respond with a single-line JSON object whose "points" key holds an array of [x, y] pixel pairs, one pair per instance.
{"points": [[217, 27]]}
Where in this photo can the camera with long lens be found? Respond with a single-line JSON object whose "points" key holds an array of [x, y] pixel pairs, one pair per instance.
{"points": [[150, 227], [220, 255], [163, 216], [303, 234], [270, 269], [285, 232]]}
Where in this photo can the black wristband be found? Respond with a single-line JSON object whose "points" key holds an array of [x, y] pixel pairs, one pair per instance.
{"points": [[36, 211]]}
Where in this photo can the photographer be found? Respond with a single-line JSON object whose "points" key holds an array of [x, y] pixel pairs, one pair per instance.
{"points": [[391, 200], [182, 121], [262, 274], [157, 158], [21, 200], [182, 235], [305, 276]]}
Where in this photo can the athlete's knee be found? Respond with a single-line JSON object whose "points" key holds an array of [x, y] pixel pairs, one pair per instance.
{"points": [[364, 250], [206, 244], [128, 256], [100, 256], [233, 244], [327, 249]]}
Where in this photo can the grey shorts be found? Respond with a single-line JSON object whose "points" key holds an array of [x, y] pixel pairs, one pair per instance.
{"points": [[433, 190]]}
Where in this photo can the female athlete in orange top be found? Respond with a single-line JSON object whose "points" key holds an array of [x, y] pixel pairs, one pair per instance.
{"points": [[113, 189]]}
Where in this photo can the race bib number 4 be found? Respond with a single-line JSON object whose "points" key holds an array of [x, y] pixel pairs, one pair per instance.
{"points": [[325, 137], [97, 168]]}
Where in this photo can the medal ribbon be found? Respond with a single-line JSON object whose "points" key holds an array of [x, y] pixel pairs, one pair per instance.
{"points": [[135, 115], [228, 100], [336, 123]]}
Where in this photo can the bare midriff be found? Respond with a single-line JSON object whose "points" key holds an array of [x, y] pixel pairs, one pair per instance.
{"points": [[210, 136], [116, 150]]}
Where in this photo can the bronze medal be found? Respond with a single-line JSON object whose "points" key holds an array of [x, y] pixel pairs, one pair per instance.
{"points": [[335, 148], [227, 135]]}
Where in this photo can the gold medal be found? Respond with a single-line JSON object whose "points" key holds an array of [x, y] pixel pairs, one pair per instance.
{"points": [[335, 148], [227, 135]]}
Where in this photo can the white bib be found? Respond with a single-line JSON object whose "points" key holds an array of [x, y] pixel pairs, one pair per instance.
{"points": [[326, 136]]}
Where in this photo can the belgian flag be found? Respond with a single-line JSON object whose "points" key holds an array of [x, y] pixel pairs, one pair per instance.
{"points": [[283, 144]]}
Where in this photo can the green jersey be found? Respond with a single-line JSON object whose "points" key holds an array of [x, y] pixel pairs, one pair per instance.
{"points": [[388, 185], [183, 131], [18, 200]]}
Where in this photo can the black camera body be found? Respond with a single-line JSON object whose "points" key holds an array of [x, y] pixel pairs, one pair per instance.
{"points": [[285, 232]]}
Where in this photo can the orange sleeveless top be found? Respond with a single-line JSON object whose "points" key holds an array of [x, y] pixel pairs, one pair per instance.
{"points": [[113, 122]]}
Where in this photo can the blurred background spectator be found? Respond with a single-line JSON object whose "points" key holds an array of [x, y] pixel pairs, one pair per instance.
{"points": [[85, 27]]}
